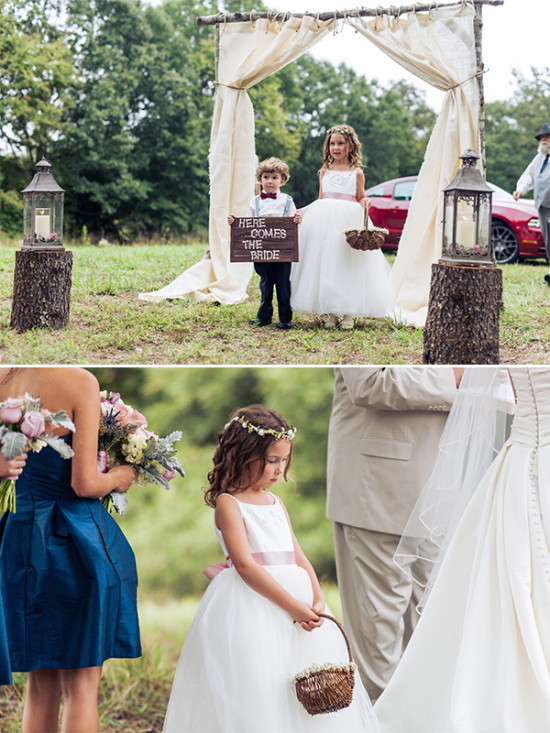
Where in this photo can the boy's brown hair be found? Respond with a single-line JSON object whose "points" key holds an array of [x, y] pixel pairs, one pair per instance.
{"points": [[273, 165]]}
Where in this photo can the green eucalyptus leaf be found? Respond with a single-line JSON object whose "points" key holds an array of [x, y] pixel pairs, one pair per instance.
{"points": [[61, 419], [58, 444], [13, 444]]}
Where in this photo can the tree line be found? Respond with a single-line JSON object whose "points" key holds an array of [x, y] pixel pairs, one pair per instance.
{"points": [[119, 95]]}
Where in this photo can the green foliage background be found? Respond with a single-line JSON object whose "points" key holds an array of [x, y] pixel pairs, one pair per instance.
{"points": [[172, 532], [119, 95]]}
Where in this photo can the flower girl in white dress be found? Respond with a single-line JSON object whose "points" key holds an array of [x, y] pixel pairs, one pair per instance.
{"points": [[331, 278], [257, 624]]}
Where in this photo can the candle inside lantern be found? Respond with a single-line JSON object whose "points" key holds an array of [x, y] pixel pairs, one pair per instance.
{"points": [[465, 226], [465, 232], [42, 223]]}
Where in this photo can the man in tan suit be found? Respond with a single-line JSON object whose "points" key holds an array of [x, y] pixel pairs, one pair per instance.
{"points": [[383, 437]]}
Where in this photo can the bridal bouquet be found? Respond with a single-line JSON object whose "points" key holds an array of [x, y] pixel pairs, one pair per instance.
{"points": [[23, 426], [124, 438]]}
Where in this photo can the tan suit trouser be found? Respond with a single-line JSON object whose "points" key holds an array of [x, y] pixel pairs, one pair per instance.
{"points": [[378, 602]]}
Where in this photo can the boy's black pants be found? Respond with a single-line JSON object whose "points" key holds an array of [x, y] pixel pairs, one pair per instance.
{"points": [[274, 275]]}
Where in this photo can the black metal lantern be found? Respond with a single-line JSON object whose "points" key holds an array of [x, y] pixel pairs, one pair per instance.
{"points": [[467, 217], [43, 210]]}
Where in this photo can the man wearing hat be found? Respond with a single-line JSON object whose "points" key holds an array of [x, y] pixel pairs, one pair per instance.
{"points": [[537, 176]]}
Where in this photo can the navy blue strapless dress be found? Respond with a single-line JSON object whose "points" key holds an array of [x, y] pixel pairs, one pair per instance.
{"points": [[68, 576]]}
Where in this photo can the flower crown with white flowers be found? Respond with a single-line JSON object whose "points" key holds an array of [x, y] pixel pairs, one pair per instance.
{"points": [[341, 130], [281, 434]]}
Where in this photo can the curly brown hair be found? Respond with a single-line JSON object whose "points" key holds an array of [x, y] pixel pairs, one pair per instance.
{"points": [[239, 451], [355, 155], [273, 165]]}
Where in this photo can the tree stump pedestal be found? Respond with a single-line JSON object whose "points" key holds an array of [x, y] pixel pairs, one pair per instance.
{"points": [[463, 315], [41, 289]]}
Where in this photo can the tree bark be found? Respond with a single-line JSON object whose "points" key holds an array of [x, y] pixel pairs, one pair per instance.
{"points": [[463, 315], [478, 26], [41, 289]]}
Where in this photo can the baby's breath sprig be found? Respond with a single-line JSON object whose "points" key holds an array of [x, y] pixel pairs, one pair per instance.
{"points": [[314, 669]]}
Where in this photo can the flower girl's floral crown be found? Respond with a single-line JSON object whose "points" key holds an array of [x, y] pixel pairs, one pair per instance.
{"points": [[281, 434], [341, 130]]}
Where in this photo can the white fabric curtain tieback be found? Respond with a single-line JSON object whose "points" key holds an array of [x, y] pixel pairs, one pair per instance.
{"points": [[473, 76], [229, 86]]}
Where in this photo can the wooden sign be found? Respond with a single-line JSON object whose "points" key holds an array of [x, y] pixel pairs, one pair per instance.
{"points": [[264, 239]]}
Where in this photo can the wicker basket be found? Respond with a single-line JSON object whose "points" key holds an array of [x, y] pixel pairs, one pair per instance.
{"points": [[328, 687], [366, 239]]}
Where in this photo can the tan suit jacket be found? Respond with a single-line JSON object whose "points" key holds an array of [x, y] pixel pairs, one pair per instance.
{"points": [[383, 436]]}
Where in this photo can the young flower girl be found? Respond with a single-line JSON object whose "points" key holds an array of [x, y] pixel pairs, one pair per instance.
{"points": [[331, 278], [258, 622]]}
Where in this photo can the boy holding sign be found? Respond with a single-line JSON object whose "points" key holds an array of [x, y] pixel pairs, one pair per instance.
{"points": [[272, 173]]}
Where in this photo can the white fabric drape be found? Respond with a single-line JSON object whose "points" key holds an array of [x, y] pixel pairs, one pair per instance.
{"points": [[438, 47], [249, 52]]}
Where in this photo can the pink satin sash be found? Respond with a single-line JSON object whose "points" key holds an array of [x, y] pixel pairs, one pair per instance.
{"points": [[277, 557], [341, 196]]}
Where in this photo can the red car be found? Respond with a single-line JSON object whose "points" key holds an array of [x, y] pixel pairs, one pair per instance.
{"points": [[515, 229]]}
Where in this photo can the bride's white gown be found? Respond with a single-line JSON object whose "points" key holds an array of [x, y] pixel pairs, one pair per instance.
{"points": [[479, 659]]}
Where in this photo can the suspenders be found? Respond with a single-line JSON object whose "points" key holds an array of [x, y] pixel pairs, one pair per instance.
{"points": [[286, 209]]}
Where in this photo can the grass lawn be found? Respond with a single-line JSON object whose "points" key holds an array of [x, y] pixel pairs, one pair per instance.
{"points": [[109, 325], [134, 692]]}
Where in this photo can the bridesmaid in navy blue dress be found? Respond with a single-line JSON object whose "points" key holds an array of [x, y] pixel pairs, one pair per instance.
{"points": [[67, 574]]}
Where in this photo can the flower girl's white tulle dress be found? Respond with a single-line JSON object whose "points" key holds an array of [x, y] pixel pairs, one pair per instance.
{"points": [[236, 666], [331, 277], [479, 659]]}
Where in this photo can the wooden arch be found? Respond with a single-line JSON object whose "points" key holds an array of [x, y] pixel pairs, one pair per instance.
{"points": [[222, 18]]}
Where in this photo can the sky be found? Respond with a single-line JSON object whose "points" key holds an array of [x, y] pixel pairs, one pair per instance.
{"points": [[515, 35]]}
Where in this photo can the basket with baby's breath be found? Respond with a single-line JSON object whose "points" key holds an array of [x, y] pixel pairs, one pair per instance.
{"points": [[366, 238], [325, 688]]}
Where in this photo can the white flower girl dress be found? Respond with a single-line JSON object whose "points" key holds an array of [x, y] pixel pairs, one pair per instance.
{"points": [[235, 672], [330, 276]]}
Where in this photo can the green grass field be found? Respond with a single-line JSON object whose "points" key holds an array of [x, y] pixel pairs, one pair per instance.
{"points": [[109, 325]]}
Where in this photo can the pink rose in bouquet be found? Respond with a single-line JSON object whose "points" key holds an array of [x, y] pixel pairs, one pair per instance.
{"points": [[122, 411], [26, 425], [11, 411], [33, 424], [134, 417]]}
